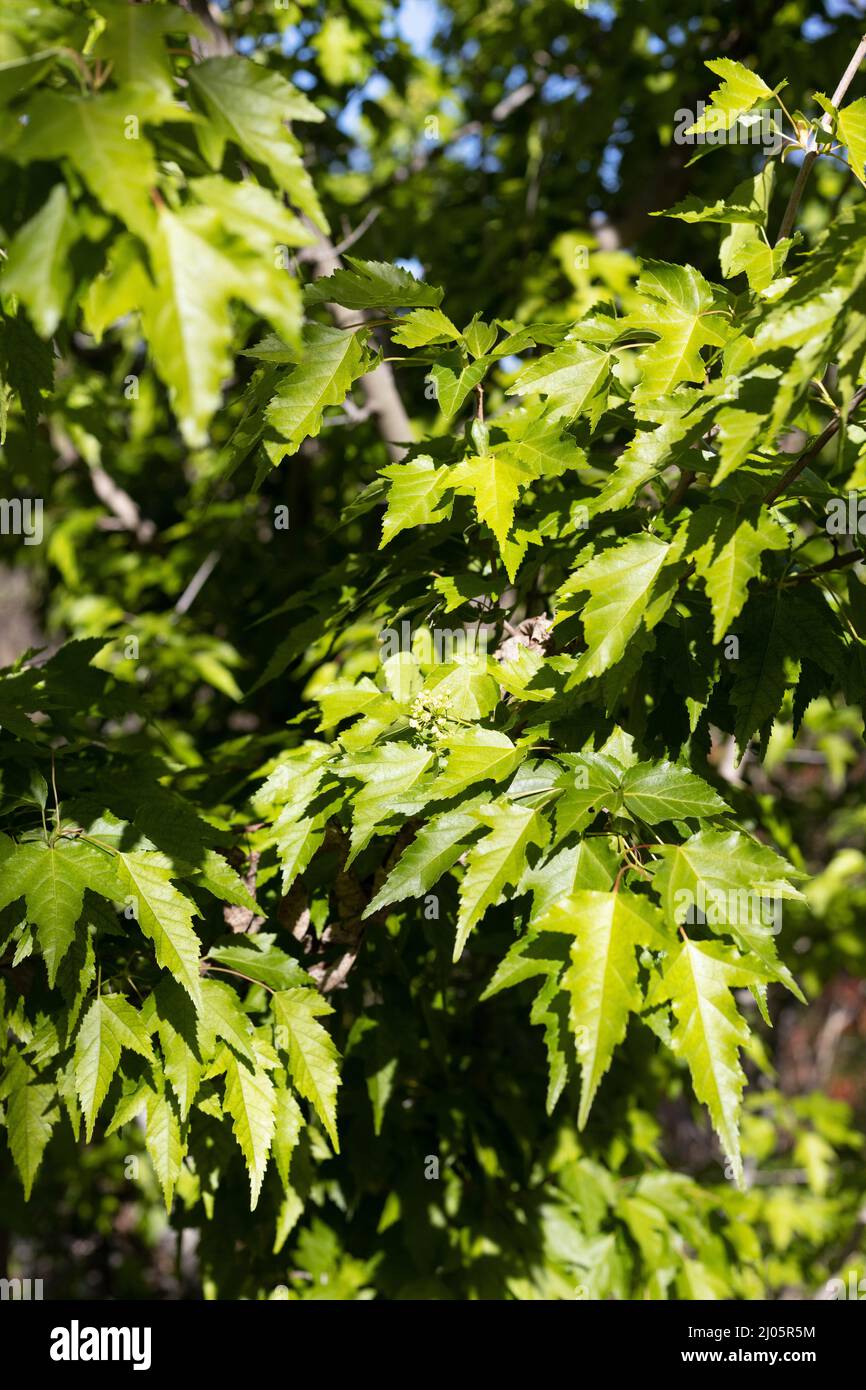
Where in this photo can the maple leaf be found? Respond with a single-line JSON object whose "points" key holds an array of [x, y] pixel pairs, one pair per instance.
{"points": [[697, 980], [496, 861], [602, 979], [680, 310]]}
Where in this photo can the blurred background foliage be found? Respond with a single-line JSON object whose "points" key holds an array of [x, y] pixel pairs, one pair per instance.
{"points": [[485, 143]]}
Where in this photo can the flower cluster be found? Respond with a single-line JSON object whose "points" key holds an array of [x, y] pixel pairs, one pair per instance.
{"points": [[429, 716]]}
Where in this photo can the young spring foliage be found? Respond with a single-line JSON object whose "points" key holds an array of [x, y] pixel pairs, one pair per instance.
{"points": [[612, 572]]}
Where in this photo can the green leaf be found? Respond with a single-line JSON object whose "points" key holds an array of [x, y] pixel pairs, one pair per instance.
{"points": [[372, 285], [38, 268], [739, 433], [185, 315], [602, 979], [481, 756], [458, 589], [852, 132], [646, 455], [761, 678], [479, 336], [524, 960], [295, 778], [341, 50], [496, 861], [494, 483], [422, 327], [312, 1054], [465, 687], [288, 1123], [721, 860], [730, 556], [590, 863], [173, 1013], [414, 495], [811, 322], [249, 104], [264, 963], [730, 211], [27, 368], [755, 193], [760, 261], [390, 775], [256, 229], [110, 1024], [380, 1087], [574, 377], [344, 700], [223, 1017], [708, 1033], [544, 450], [29, 1122], [547, 1013], [297, 842], [250, 1099], [620, 583], [452, 387], [435, 849], [732, 881], [52, 881], [739, 92], [332, 360], [91, 132], [134, 41], [220, 878], [78, 968], [121, 288], [18, 74], [164, 915], [657, 792], [163, 1142], [680, 310], [592, 781]]}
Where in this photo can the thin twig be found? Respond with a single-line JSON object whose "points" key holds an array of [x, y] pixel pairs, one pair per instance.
{"points": [[787, 223], [207, 965], [838, 562], [313, 253], [814, 449], [123, 507], [500, 112], [687, 477], [57, 807], [358, 232], [198, 581]]}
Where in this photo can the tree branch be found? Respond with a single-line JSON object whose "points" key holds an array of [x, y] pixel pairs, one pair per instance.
{"points": [[838, 562], [686, 478], [123, 507], [814, 449], [787, 223], [198, 581], [313, 253], [512, 101]]}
